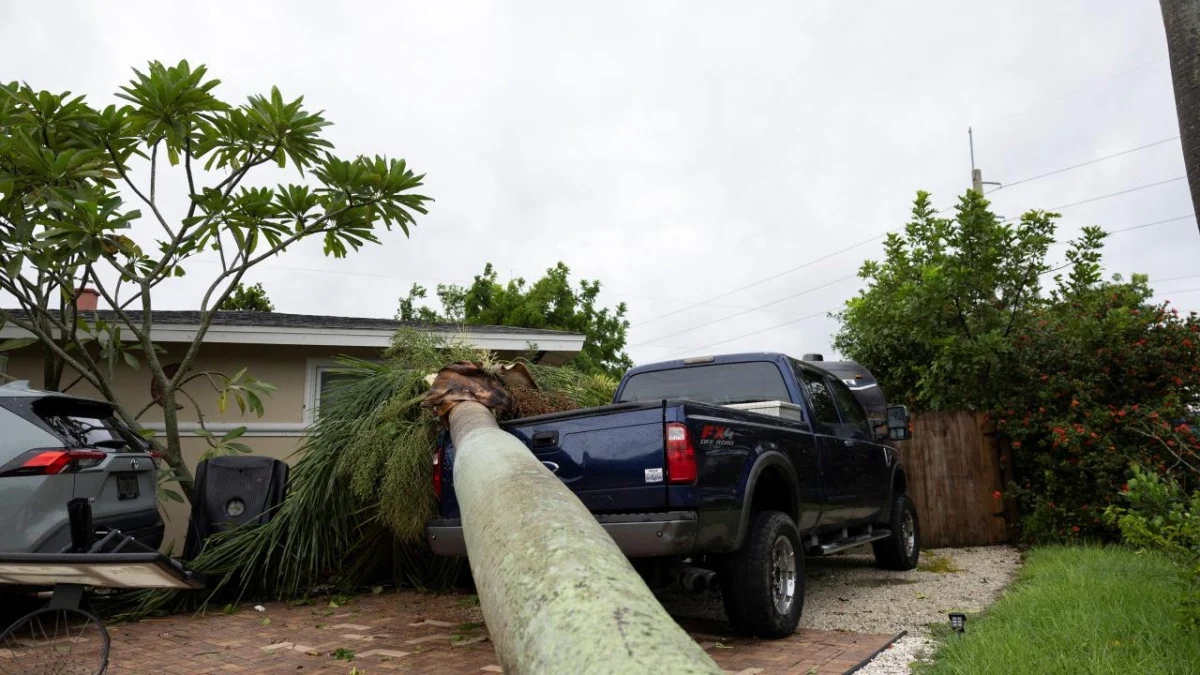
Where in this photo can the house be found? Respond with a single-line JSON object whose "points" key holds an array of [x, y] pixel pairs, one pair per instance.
{"points": [[294, 352]]}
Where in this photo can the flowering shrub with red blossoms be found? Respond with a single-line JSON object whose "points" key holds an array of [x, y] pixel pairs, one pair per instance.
{"points": [[1108, 381], [1083, 378]]}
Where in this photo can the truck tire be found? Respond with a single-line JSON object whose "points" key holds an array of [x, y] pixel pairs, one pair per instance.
{"points": [[763, 584], [902, 549]]}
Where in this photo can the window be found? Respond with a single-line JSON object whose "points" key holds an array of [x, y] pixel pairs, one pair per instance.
{"points": [[722, 384], [322, 384], [824, 408], [854, 420]]}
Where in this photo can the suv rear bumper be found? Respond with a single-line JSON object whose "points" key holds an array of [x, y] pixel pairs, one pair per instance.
{"points": [[638, 535]]}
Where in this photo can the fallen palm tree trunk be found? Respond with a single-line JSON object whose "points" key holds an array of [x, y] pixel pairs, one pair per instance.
{"points": [[556, 592]]}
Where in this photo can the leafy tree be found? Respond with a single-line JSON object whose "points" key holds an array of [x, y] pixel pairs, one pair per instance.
{"points": [[248, 299], [1082, 380], [67, 175], [935, 318], [550, 303]]}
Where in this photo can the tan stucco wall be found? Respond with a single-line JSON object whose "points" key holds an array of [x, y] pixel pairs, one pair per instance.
{"points": [[285, 367]]}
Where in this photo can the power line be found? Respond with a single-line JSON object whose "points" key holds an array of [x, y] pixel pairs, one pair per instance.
{"points": [[882, 234], [1157, 222], [739, 289], [835, 281], [1083, 164], [1069, 93], [379, 275], [1117, 194], [1108, 196], [1186, 276], [1186, 290], [750, 309], [1050, 271], [761, 330]]}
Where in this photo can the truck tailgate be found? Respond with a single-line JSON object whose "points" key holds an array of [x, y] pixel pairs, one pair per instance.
{"points": [[612, 457]]}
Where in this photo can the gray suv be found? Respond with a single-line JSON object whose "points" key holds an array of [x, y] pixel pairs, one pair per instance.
{"points": [[55, 447]]}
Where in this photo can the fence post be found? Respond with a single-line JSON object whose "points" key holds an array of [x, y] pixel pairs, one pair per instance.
{"points": [[556, 592]]}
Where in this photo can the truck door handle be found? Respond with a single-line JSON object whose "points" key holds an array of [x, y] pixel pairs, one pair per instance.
{"points": [[545, 439], [847, 442]]}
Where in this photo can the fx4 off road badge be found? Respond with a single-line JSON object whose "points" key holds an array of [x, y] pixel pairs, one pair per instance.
{"points": [[714, 436]]}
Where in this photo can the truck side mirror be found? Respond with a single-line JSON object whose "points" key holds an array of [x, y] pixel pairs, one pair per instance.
{"points": [[899, 424]]}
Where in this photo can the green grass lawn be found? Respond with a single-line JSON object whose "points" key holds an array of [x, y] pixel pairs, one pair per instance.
{"points": [[1079, 609]]}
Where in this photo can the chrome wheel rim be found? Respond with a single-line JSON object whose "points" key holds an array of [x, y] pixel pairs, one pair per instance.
{"points": [[908, 530], [783, 574]]}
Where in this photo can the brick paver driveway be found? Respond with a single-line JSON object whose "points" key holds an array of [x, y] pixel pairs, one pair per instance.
{"points": [[407, 632]]}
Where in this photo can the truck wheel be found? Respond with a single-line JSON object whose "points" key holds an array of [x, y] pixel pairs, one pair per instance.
{"points": [[763, 586], [902, 549]]}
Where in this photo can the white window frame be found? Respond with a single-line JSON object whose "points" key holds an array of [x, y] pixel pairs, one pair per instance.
{"points": [[312, 384]]}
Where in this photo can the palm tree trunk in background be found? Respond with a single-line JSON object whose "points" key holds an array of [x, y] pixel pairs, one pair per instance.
{"points": [[1181, 18]]}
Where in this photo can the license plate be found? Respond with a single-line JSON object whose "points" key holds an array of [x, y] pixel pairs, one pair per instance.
{"points": [[127, 486]]}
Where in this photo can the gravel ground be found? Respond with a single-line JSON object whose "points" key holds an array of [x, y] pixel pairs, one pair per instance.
{"points": [[847, 592], [896, 659]]}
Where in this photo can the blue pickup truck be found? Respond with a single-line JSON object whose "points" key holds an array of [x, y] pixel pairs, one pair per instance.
{"points": [[725, 472]]}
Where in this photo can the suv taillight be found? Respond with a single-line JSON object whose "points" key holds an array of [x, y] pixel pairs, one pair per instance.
{"points": [[681, 457], [437, 472], [50, 462]]}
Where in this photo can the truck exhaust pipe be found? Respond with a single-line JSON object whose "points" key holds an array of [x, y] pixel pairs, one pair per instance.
{"points": [[696, 579]]}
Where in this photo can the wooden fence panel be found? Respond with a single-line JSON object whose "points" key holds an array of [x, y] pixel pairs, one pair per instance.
{"points": [[953, 470]]}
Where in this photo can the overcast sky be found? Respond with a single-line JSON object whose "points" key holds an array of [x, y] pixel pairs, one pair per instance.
{"points": [[675, 151]]}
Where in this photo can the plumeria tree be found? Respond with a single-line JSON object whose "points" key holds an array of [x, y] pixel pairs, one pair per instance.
{"points": [[82, 207]]}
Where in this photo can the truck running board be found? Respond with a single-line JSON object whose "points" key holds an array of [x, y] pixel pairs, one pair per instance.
{"points": [[838, 545]]}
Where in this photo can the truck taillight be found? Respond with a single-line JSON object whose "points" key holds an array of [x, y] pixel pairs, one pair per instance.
{"points": [[437, 472], [50, 462], [681, 457]]}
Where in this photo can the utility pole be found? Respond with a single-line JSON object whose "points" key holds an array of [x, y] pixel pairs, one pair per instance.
{"points": [[977, 181]]}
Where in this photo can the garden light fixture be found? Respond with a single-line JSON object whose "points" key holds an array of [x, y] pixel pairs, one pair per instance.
{"points": [[958, 622]]}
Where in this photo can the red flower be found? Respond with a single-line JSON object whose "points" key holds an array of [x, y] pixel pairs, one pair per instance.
{"points": [[1125, 487], [1074, 528], [996, 494], [1016, 444]]}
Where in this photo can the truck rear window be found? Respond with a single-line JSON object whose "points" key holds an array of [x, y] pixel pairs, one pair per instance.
{"points": [[721, 383]]}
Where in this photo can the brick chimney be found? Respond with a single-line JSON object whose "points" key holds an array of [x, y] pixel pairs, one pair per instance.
{"points": [[86, 299]]}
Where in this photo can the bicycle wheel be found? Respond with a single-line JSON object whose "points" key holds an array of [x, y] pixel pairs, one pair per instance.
{"points": [[55, 642]]}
